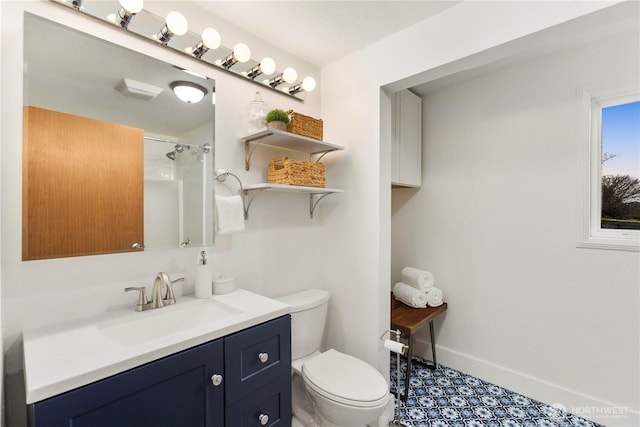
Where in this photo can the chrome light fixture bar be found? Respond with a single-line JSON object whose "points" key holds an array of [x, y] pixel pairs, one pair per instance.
{"points": [[174, 33]]}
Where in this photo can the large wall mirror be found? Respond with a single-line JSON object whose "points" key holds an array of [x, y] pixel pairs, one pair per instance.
{"points": [[113, 160]]}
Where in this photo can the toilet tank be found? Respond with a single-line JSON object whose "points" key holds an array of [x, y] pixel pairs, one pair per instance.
{"points": [[308, 316]]}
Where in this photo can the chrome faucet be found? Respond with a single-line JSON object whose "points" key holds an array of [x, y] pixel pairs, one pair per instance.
{"points": [[157, 300]]}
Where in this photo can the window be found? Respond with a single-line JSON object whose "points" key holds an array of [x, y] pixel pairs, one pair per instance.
{"points": [[614, 181], [620, 172]]}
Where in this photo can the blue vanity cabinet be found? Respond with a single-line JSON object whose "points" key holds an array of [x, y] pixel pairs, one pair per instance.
{"points": [[251, 387], [174, 391], [258, 375]]}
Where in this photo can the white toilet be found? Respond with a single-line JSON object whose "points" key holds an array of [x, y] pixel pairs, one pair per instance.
{"points": [[330, 389]]}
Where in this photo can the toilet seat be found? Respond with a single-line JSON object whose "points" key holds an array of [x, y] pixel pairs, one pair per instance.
{"points": [[345, 379]]}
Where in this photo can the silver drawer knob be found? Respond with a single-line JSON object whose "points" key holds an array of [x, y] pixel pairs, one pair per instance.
{"points": [[264, 419], [263, 358], [216, 379]]}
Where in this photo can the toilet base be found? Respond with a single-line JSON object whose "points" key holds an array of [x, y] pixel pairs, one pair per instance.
{"points": [[305, 413]]}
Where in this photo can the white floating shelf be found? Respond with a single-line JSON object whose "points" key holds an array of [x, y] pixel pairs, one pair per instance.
{"points": [[286, 141], [284, 188], [315, 194]]}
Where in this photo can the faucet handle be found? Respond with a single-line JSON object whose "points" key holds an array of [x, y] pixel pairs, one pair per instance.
{"points": [[170, 298], [142, 298]]}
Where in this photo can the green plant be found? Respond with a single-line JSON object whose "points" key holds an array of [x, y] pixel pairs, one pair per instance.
{"points": [[277, 115]]}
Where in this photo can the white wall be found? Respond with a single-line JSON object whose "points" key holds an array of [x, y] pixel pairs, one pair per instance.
{"points": [[276, 254], [465, 36], [498, 220]]}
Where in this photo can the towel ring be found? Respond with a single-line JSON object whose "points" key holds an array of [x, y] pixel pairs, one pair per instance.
{"points": [[221, 176]]}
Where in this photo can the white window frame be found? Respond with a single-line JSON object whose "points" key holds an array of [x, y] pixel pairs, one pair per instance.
{"points": [[593, 235]]}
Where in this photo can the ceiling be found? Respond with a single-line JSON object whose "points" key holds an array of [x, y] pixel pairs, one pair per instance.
{"points": [[321, 32]]}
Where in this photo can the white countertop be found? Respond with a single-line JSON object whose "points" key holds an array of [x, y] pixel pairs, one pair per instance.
{"points": [[62, 357]]}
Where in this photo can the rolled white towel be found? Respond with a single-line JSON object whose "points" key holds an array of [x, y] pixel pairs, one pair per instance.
{"points": [[409, 295], [419, 279], [434, 297]]}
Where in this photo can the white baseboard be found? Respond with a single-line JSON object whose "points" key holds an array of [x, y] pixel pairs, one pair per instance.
{"points": [[599, 411]]}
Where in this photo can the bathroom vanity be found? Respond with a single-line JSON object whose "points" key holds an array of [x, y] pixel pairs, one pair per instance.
{"points": [[229, 364]]}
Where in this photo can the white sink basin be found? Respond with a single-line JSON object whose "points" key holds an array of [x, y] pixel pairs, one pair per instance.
{"points": [[62, 357], [165, 321]]}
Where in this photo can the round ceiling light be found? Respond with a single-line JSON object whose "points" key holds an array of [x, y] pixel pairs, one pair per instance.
{"points": [[188, 92]]}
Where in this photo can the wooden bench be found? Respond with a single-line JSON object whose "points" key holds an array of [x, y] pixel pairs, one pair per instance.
{"points": [[410, 321]]}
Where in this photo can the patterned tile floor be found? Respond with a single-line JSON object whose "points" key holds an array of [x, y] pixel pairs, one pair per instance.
{"points": [[449, 398]]}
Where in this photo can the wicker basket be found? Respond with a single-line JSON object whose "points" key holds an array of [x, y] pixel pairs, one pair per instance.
{"points": [[305, 125], [296, 172]]}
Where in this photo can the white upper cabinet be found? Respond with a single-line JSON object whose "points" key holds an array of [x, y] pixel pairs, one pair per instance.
{"points": [[406, 139]]}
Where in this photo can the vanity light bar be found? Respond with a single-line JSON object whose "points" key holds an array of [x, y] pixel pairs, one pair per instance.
{"points": [[175, 24]]}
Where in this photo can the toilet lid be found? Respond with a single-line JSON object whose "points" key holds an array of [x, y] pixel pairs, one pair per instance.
{"points": [[345, 379]]}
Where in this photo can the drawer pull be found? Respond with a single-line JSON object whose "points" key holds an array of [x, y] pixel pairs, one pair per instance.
{"points": [[264, 419], [263, 357], [216, 379]]}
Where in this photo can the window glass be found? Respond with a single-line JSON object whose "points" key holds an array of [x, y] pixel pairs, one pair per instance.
{"points": [[620, 163]]}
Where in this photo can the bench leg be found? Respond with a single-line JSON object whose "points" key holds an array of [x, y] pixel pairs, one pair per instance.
{"points": [[433, 366], [408, 373]]}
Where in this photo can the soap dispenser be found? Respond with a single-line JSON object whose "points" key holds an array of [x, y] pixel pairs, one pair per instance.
{"points": [[204, 276]]}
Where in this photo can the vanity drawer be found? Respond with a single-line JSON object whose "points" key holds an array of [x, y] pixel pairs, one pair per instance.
{"points": [[269, 405], [256, 356]]}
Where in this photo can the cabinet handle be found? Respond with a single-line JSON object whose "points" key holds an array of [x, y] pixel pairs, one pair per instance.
{"points": [[216, 379], [264, 419], [263, 358]]}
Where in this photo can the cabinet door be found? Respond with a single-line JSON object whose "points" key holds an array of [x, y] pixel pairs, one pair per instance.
{"points": [[256, 356], [170, 392], [82, 186], [267, 406], [406, 152]]}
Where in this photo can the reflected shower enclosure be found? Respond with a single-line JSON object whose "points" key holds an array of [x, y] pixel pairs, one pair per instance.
{"points": [[176, 197]]}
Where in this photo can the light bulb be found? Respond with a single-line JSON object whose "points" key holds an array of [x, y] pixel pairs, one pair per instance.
{"points": [[131, 6], [309, 84], [267, 66], [177, 23], [242, 52], [289, 75], [211, 38]]}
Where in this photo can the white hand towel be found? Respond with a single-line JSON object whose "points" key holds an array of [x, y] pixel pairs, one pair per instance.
{"points": [[419, 279], [434, 297], [229, 214], [409, 295]]}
